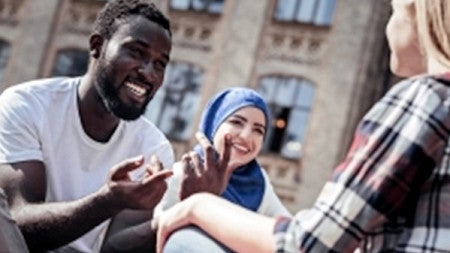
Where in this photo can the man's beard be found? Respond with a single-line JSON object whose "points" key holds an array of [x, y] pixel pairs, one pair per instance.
{"points": [[110, 95]]}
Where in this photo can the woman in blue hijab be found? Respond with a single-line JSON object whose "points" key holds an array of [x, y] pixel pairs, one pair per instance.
{"points": [[241, 115]]}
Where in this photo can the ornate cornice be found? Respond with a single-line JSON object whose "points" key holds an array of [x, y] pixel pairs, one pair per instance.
{"points": [[301, 45], [9, 10]]}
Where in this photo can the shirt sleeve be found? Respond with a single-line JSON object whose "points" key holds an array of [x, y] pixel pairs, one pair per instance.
{"points": [[19, 124], [395, 149], [271, 205]]}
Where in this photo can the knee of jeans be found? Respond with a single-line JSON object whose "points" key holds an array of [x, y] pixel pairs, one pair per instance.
{"points": [[181, 241], [192, 239]]}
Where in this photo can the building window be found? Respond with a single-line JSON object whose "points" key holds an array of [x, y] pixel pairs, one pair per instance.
{"points": [[4, 56], [290, 101], [317, 12], [211, 6], [71, 62], [174, 105]]}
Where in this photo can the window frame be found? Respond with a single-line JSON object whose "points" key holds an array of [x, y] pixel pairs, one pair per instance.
{"points": [[190, 6], [301, 86], [188, 94], [65, 52], [5, 51], [321, 14]]}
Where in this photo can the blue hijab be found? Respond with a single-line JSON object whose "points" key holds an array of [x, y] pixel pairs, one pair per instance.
{"points": [[246, 186]]}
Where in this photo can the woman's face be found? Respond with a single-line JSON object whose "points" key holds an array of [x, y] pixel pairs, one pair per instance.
{"points": [[401, 31], [246, 127]]}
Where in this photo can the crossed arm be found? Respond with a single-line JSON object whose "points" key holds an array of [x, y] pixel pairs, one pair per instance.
{"points": [[255, 233]]}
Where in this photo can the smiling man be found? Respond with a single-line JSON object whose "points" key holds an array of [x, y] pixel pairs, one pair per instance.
{"points": [[67, 144]]}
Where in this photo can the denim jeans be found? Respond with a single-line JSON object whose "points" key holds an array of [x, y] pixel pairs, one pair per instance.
{"points": [[193, 239]]}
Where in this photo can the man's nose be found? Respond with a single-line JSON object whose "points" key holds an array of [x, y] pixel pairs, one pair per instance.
{"points": [[147, 70]]}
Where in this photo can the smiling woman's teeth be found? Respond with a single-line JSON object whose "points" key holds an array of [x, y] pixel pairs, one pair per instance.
{"points": [[241, 148], [136, 89]]}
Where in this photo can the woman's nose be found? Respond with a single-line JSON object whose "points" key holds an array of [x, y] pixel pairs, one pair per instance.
{"points": [[245, 132]]}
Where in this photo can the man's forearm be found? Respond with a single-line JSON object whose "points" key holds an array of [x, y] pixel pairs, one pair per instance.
{"points": [[51, 225]]}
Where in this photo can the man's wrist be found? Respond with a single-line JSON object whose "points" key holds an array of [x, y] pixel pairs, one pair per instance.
{"points": [[104, 198]]}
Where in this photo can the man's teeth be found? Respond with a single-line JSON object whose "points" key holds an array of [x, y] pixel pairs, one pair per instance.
{"points": [[136, 89]]}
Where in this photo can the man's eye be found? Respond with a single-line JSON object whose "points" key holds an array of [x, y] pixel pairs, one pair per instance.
{"points": [[160, 65], [136, 51]]}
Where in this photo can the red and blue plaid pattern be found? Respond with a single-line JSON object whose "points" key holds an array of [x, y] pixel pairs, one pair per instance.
{"points": [[392, 192]]}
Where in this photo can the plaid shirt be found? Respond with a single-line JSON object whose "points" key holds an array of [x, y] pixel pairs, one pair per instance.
{"points": [[392, 192]]}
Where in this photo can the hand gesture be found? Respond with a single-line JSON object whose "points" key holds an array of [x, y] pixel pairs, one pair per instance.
{"points": [[140, 194], [210, 175]]}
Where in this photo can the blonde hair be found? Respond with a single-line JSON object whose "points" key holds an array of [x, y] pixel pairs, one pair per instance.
{"points": [[433, 26]]}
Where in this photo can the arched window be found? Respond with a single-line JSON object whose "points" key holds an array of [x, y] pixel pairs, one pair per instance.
{"points": [[317, 12], [211, 6], [4, 56], [290, 101], [70, 62], [174, 105]]}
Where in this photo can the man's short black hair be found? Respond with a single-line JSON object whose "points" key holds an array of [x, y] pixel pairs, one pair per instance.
{"points": [[118, 9]]}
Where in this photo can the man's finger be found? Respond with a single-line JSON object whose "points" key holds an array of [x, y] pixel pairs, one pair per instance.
{"points": [[225, 153], [155, 164], [196, 163], [208, 149], [120, 171], [158, 176], [186, 165]]}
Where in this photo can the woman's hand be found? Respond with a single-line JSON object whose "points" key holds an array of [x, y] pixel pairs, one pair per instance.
{"points": [[239, 229], [178, 216]]}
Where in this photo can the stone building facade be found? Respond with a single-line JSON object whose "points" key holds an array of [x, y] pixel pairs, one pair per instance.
{"points": [[319, 63]]}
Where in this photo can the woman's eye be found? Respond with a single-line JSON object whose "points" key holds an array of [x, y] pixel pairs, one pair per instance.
{"points": [[259, 131], [236, 122]]}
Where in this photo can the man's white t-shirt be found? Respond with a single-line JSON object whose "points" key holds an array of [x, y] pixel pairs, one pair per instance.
{"points": [[39, 120]]}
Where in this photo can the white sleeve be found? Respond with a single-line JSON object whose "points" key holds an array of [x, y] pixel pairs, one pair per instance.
{"points": [[271, 205], [165, 154], [170, 197], [19, 124]]}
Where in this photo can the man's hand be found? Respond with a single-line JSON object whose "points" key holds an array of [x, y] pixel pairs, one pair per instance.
{"points": [[141, 194], [208, 176]]}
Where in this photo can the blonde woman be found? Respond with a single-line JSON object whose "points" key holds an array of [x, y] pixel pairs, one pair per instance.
{"points": [[392, 192]]}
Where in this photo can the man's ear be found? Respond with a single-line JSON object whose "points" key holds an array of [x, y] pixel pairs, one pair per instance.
{"points": [[95, 45]]}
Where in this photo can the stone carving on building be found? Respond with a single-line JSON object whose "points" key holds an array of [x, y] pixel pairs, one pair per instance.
{"points": [[9, 10], [79, 16], [192, 31], [306, 46]]}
